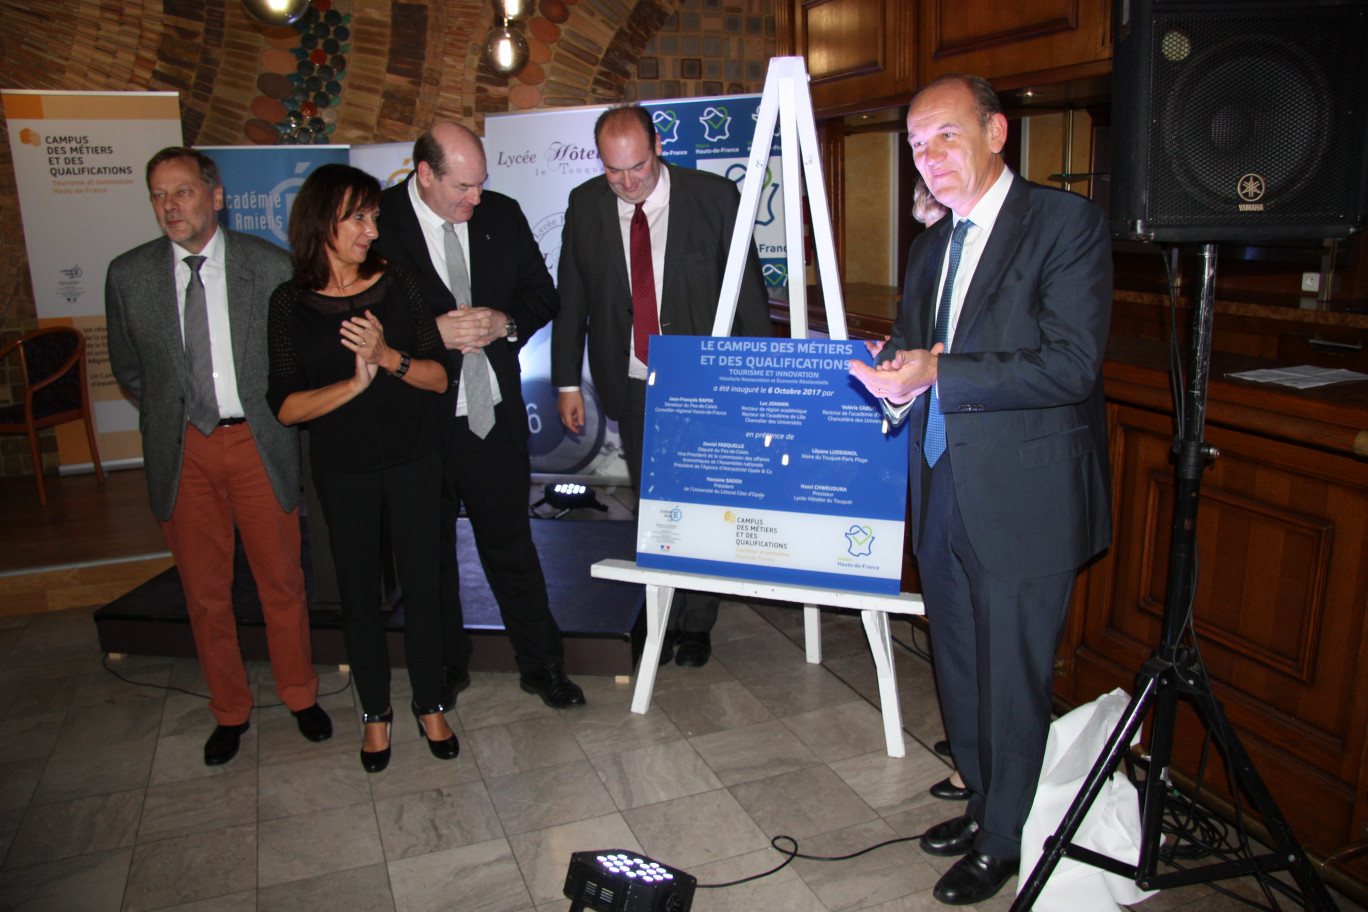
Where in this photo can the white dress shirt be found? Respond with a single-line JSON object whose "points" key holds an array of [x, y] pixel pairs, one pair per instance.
{"points": [[214, 274], [984, 216]]}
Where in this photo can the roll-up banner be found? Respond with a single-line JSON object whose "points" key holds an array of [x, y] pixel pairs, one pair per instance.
{"points": [[79, 164]]}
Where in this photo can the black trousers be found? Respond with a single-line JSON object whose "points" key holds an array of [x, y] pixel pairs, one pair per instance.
{"points": [[354, 505], [491, 477], [993, 641], [690, 612]]}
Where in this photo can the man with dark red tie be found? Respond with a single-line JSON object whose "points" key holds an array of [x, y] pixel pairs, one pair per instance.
{"points": [[643, 253]]}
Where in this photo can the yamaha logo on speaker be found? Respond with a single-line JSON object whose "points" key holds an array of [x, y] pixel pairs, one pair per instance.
{"points": [[1251, 190]]}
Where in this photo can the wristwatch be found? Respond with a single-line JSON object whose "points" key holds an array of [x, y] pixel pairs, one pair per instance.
{"points": [[511, 330], [403, 367]]}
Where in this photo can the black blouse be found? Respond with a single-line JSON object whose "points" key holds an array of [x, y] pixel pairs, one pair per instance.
{"points": [[391, 422]]}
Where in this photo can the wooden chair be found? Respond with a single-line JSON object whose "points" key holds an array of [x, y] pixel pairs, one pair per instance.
{"points": [[54, 366]]}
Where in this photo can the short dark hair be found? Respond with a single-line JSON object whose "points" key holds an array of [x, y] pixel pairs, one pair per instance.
{"points": [[623, 114], [208, 168], [331, 194], [985, 96], [427, 149]]}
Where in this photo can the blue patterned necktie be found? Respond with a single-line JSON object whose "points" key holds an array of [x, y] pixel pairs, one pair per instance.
{"points": [[933, 441]]}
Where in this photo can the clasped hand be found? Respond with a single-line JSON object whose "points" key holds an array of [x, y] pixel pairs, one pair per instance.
{"points": [[365, 337], [901, 379], [471, 329]]}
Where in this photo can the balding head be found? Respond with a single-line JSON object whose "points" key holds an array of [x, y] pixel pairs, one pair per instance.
{"points": [[629, 148], [449, 164]]}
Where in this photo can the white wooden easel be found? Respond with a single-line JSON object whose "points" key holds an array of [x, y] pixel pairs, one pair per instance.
{"points": [[786, 99]]}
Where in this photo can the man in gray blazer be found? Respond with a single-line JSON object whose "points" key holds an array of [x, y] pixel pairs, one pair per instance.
{"points": [[187, 339], [645, 240], [996, 363]]}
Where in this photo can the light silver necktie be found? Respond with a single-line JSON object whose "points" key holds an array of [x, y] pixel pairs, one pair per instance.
{"points": [[201, 406], [474, 366]]}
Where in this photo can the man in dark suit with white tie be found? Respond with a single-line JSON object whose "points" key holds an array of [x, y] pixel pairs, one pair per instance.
{"points": [[996, 361], [643, 252], [484, 278], [187, 339]]}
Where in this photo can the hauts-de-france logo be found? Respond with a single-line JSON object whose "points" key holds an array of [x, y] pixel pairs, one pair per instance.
{"points": [[716, 123], [769, 191], [860, 541], [667, 125]]}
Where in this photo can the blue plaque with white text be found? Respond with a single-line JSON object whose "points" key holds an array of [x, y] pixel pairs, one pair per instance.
{"points": [[764, 459]]}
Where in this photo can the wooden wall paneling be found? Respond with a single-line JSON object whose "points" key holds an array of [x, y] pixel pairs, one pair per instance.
{"points": [[1029, 40], [1279, 608], [861, 54], [831, 140]]}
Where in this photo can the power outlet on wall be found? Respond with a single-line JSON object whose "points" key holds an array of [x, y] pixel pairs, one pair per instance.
{"points": [[1310, 282]]}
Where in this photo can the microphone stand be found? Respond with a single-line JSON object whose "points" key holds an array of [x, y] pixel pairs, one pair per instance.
{"points": [[1174, 671]]}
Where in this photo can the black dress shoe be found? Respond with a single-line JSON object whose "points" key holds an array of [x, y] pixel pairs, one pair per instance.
{"points": [[314, 723], [942, 748], [556, 690], [222, 745], [447, 748], [453, 682], [946, 790], [667, 646], [375, 761], [694, 649], [974, 878], [953, 837]]}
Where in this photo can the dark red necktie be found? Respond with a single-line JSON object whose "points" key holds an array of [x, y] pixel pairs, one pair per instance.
{"points": [[645, 320]]}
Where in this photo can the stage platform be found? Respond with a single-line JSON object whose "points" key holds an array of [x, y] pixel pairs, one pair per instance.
{"points": [[601, 620]]}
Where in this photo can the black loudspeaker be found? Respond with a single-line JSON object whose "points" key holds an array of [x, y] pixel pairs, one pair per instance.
{"points": [[1239, 121]]}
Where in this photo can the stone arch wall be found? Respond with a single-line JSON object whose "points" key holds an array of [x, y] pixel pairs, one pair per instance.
{"points": [[410, 63]]}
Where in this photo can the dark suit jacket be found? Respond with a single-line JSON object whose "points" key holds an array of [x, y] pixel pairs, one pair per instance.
{"points": [[507, 273], [596, 293], [147, 356], [1021, 388]]}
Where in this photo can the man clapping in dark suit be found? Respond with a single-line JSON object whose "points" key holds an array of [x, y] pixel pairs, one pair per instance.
{"points": [[187, 340], [996, 356], [643, 253], [487, 285]]}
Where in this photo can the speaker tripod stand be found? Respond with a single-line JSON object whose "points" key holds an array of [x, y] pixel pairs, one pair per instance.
{"points": [[1175, 671]]}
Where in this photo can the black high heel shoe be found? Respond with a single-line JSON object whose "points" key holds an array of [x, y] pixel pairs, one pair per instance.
{"points": [[446, 749], [375, 761]]}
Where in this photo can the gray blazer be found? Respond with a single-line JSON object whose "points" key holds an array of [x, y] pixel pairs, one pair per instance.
{"points": [[147, 356]]}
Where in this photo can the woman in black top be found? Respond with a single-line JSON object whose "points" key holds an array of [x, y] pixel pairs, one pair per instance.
{"points": [[356, 354]]}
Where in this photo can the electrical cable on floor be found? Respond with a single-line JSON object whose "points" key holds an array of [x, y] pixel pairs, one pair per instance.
{"points": [[104, 660], [791, 854]]}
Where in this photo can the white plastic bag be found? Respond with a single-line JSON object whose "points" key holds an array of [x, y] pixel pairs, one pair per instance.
{"points": [[1111, 827]]}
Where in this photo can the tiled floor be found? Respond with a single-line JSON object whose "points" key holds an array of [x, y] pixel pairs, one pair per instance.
{"points": [[105, 803]]}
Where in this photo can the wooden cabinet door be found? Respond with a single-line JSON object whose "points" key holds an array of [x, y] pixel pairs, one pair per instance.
{"points": [[861, 54], [1030, 41], [1282, 539]]}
